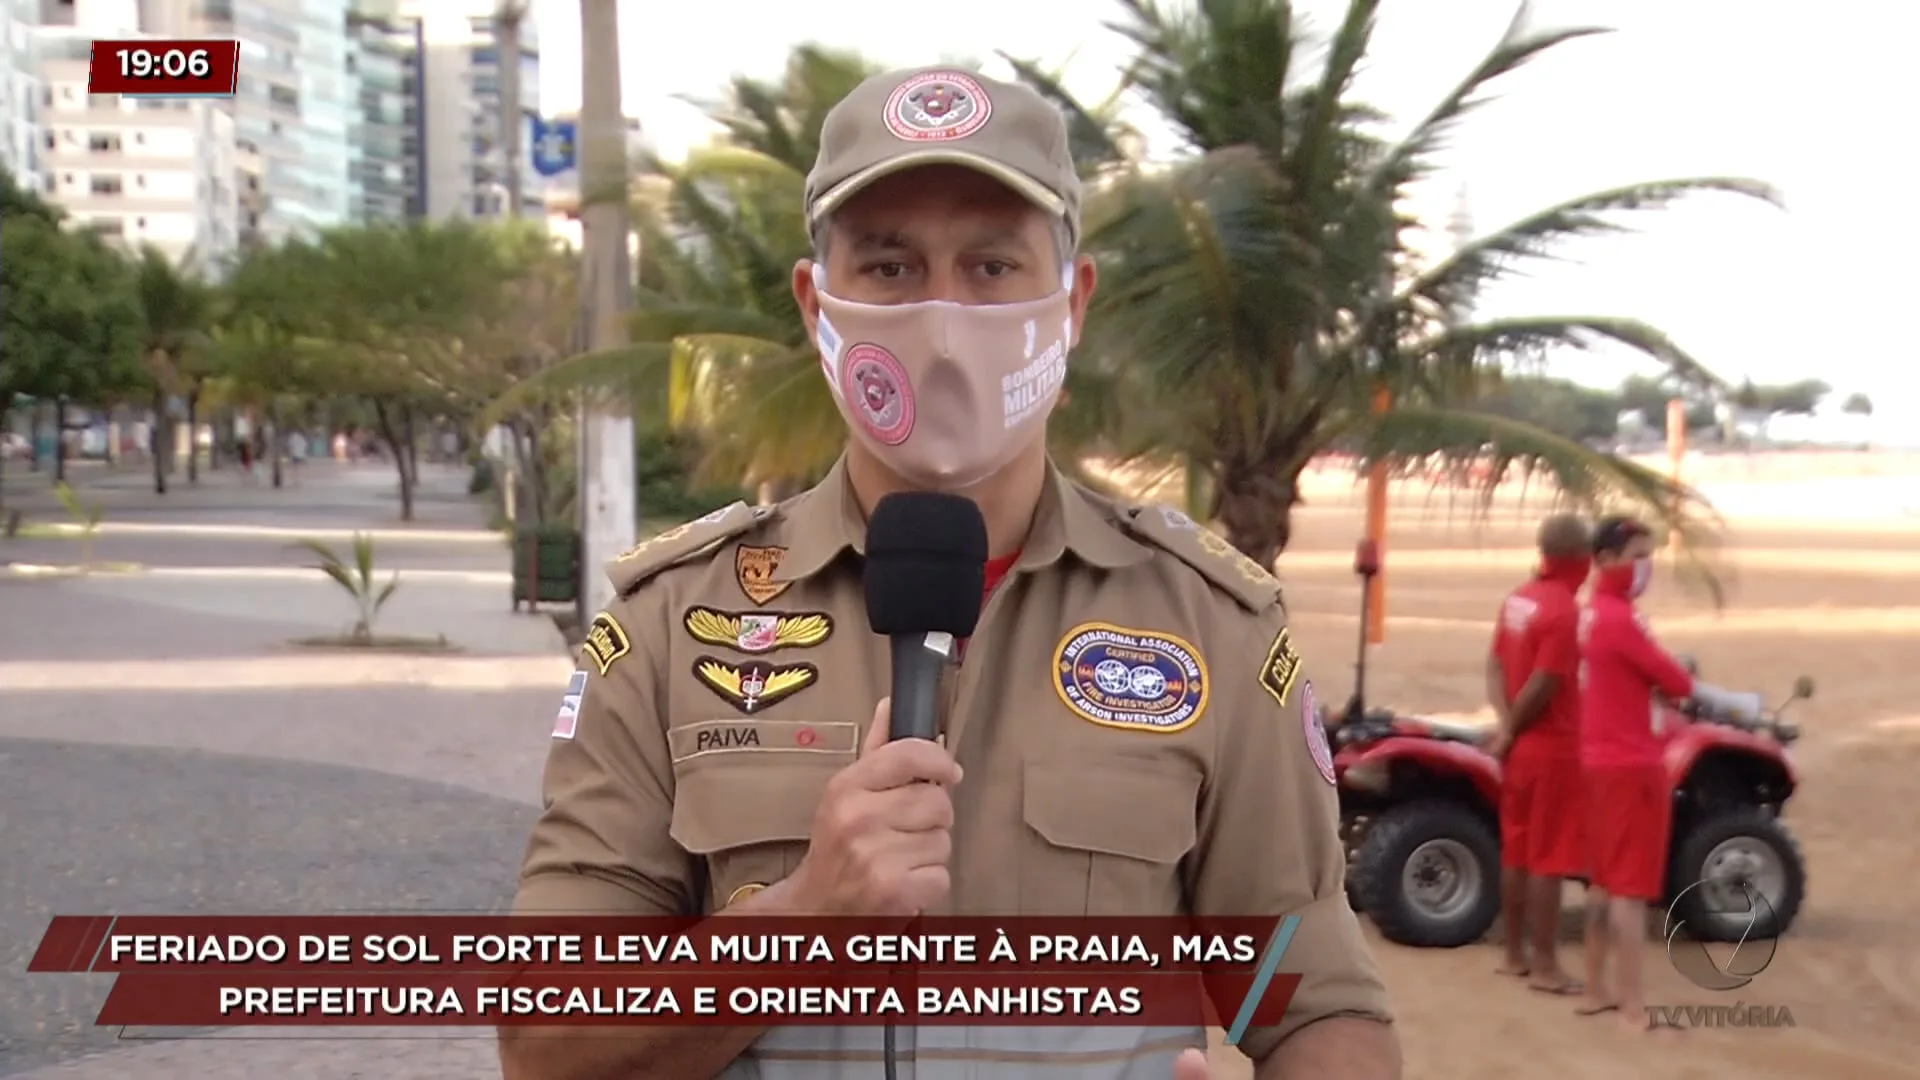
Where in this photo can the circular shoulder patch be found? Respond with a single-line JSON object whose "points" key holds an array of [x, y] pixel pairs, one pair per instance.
{"points": [[875, 385], [937, 105], [1141, 680], [1316, 733]]}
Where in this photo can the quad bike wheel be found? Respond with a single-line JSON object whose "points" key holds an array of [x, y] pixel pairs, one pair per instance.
{"points": [[1428, 874], [1722, 860]]}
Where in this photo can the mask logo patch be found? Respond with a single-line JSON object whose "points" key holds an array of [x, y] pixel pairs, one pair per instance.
{"points": [[875, 386], [935, 106]]}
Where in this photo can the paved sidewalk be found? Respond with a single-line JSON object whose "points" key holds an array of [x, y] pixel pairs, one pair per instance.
{"points": [[163, 748]]}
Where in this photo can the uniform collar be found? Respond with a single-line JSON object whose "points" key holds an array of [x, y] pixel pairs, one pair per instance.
{"points": [[826, 521]]}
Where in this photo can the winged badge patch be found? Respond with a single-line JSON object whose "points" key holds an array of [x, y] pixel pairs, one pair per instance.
{"points": [[757, 631], [754, 685]]}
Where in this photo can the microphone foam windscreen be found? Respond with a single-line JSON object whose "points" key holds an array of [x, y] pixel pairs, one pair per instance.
{"points": [[926, 564]]}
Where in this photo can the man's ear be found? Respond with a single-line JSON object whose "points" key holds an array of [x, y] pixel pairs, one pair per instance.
{"points": [[1085, 277], [807, 297]]}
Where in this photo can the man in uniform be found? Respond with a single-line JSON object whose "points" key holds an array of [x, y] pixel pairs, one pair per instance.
{"points": [[1531, 670], [721, 751]]}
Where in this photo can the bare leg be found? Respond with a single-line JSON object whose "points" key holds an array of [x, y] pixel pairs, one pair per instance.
{"points": [[1543, 911], [1513, 913], [1598, 1000], [1628, 925]]}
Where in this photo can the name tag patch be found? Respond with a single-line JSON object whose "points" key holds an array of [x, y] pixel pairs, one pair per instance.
{"points": [[764, 736], [1140, 680]]}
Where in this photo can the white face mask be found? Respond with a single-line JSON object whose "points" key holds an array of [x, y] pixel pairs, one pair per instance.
{"points": [[945, 394], [1642, 576]]}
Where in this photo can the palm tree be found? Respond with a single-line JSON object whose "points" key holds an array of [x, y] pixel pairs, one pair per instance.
{"points": [[1257, 297], [179, 310]]}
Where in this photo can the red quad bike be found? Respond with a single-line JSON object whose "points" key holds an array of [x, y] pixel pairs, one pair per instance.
{"points": [[1419, 815]]}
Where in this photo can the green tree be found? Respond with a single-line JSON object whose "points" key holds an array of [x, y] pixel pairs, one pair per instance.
{"points": [[1858, 404], [1257, 297], [178, 310], [381, 313], [70, 324], [1802, 397]]}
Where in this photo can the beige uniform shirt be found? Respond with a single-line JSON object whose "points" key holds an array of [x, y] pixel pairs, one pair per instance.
{"points": [[1129, 714]]}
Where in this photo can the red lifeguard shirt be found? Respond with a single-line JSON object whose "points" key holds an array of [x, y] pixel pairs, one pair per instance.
{"points": [[1538, 630], [1621, 669]]}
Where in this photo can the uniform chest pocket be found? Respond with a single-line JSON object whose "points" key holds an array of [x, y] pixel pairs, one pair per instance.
{"points": [[1106, 837], [748, 814]]}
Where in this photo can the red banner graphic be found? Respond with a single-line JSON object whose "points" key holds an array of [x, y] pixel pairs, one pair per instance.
{"points": [[336, 999], [445, 943], [155, 67]]}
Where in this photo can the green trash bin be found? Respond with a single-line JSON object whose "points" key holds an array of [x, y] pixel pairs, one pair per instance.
{"points": [[546, 565]]}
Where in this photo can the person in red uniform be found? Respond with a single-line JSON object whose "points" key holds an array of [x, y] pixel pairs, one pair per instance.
{"points": [[1629, 800], [1531, 672]]}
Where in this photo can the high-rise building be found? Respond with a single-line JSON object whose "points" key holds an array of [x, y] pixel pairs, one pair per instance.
{"points": [[292, 109], [145, 170], [389, 128], [462, 92], [20, 92]]}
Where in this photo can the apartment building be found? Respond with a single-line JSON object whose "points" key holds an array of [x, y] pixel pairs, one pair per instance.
{"points": [[20, 92], [463, 90], [144, 170], [388, 133]]}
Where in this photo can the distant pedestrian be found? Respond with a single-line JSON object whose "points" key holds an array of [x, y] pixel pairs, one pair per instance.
{"points": [[297, 452]]}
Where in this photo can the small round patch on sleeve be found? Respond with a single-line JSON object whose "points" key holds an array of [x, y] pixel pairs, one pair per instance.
{"points": [[1316, 733], [1137, 680]]}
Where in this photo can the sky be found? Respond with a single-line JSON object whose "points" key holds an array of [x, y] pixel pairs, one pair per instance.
{"points": [[1819, 100]]}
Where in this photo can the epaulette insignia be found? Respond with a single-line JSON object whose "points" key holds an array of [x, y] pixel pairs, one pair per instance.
{"points": [[682, 542], [1207, 552]]}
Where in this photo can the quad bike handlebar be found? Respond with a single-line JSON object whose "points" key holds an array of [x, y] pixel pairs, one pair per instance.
{"points": [[1745, 711]]}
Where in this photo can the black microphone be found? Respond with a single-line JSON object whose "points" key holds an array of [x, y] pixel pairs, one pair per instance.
{"points": [[925, 575]]}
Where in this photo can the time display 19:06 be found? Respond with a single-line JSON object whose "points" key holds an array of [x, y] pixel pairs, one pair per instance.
{"points": [[165, 64]]}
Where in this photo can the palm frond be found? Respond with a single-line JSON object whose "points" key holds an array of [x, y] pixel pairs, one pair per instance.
{"points": [[1529, 340], [1483, 452], [1484, 259]]}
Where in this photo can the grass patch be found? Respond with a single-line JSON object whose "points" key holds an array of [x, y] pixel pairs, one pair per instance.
{"points": [[46, 530], [388, 643], [67, 570]]}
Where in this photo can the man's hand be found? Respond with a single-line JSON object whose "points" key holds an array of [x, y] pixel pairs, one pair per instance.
{"points": [[1192, 1065], [882, 834], [1500, 742]]}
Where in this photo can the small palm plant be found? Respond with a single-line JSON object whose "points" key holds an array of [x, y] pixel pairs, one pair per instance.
{"points": [[86, 517], [369, 596]]}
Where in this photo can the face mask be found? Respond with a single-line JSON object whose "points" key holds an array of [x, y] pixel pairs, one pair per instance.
{"points": [[945, 394], [1642, 576]]}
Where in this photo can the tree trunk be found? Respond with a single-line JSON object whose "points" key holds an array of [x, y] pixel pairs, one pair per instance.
{"points": [[193, 431], [6, 425], [35, 421], [276, 444], [59, 440], [1256, 510], [384, 417], [157, 441], [412, 447]]}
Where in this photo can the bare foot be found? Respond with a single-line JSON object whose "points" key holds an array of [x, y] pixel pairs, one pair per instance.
{"points": [[1515, 968], [1595, 1005], [1558, 984]]}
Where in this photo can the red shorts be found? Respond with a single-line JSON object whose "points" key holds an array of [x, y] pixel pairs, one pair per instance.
{"points": [[1629, 822], [1542, 829]]}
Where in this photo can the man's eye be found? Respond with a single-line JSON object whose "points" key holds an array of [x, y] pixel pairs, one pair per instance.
{"points": [[888, 269], [994, 268]]}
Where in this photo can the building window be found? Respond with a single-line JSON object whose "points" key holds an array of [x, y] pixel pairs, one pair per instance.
{"points": [[104, 184], [140, 223], [284, 96], [139, 180], [103, 142], [140, 138]]}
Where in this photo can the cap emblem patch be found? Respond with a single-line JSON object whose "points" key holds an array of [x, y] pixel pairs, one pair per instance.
{"points": [[937, 105]]}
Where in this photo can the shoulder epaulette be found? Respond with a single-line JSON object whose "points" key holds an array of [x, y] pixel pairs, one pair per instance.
{"points": [[1207, 552], [681, 543]]}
